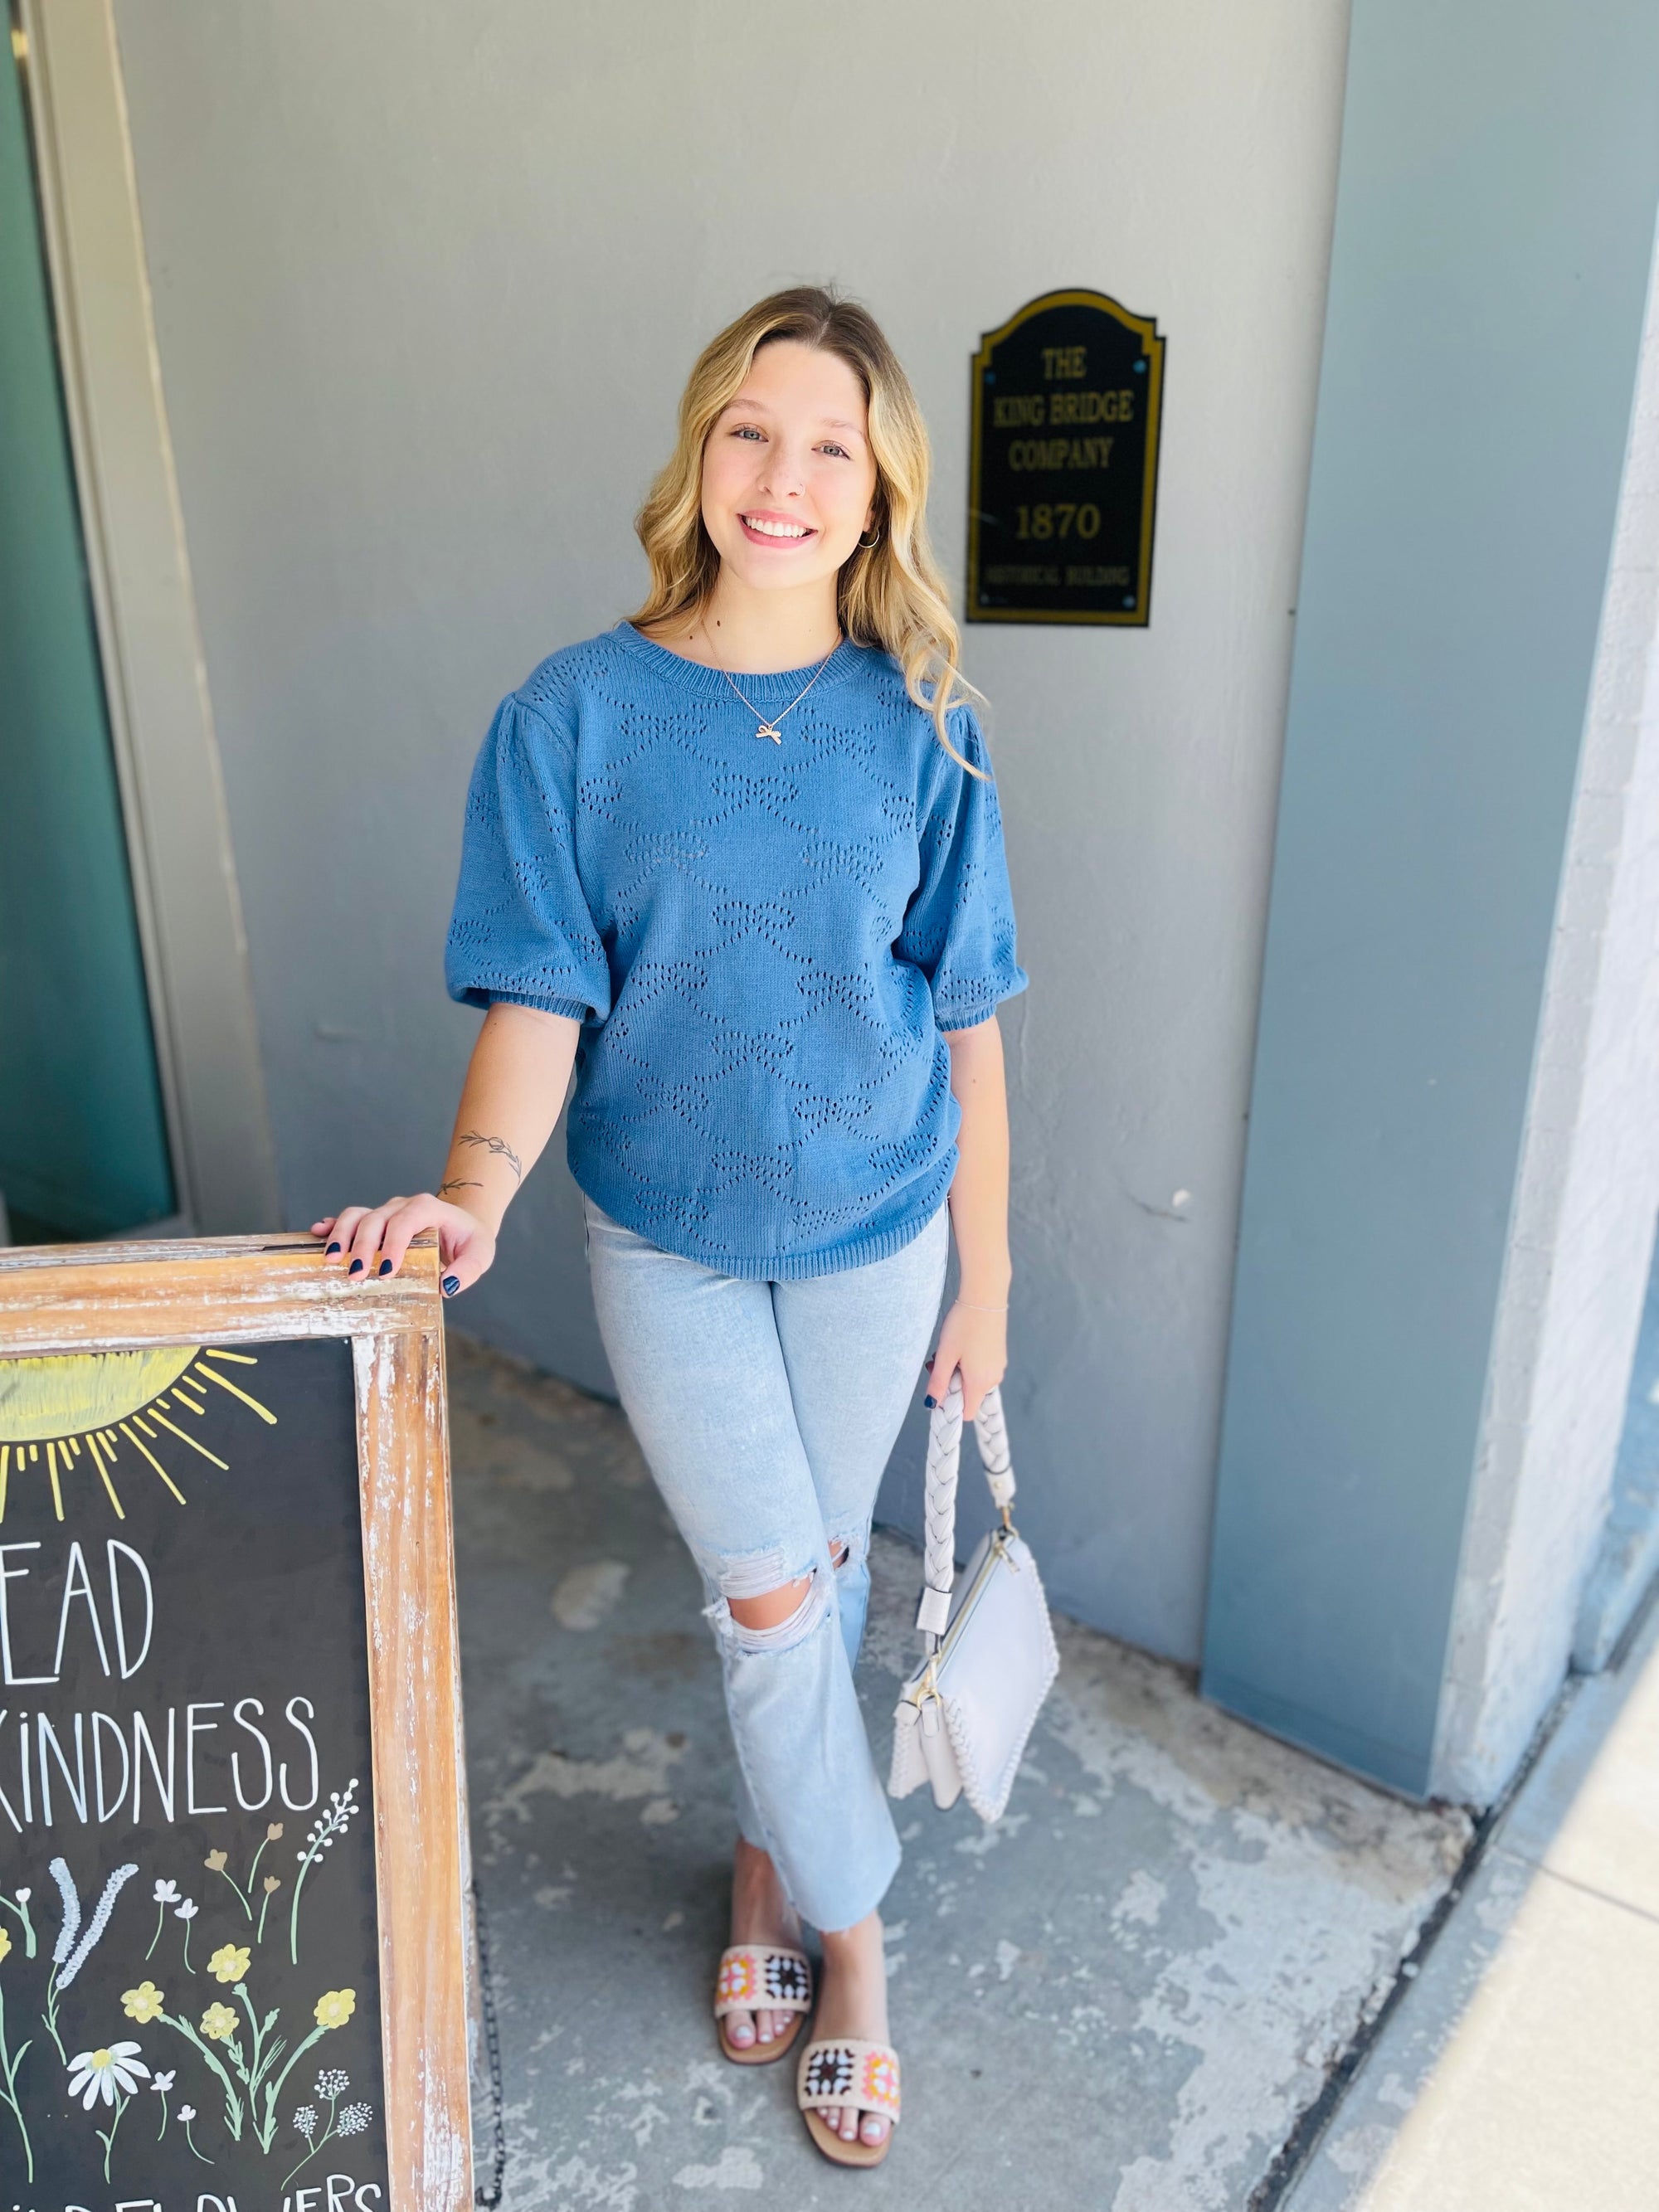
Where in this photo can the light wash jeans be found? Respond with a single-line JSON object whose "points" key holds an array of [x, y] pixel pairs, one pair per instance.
{"points": [[767, 1412]]}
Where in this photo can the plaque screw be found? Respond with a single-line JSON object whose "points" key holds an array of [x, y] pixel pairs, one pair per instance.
{"points": [[1128, 603], [1140, 366]]}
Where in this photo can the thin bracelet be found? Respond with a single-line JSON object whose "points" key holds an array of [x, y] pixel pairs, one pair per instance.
{"points": [[972, 1308]]}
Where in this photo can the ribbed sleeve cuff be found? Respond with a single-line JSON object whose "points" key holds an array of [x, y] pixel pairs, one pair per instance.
{"points": [[578, 1010]]}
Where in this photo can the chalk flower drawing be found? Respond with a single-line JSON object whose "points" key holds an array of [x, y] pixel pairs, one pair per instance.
{"points": [[186, 2114], [273, 1834], [144, 2003], [164, 1894], [325, 1831], [335, 2007], [71, 1961], [186, 1911], [329, 2085], [18, 1906], [229, 1962], [110, 2074], [69, 1954], [218, 2023], [10, 2062], [115, 2070]]}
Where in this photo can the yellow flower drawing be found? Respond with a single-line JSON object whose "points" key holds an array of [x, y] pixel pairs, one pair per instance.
{"points": [[229, 1962], [218, 2023], [335, 2007], [6, 1942], [145, 2003]]}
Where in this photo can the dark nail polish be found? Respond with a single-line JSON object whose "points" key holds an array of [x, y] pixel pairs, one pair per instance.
{"points": [[355, 1268], [931, 1403], [385, 1267], [452, 1284], [333, 1250]]}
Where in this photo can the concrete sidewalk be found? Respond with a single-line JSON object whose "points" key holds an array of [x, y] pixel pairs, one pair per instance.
{"points": [[1119, 2000], [1520, 2072]]}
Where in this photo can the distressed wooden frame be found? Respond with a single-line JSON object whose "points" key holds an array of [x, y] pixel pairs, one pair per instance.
{"points": [[252, 1290]]}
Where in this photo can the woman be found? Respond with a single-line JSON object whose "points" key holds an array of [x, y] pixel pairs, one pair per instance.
{"points": [[739, 860]]}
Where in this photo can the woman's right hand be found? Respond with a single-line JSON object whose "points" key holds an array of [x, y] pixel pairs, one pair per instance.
{"points": [[368, 1241]]}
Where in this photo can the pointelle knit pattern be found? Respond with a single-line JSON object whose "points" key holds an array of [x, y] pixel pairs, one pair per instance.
{"points": [[762, 942]]}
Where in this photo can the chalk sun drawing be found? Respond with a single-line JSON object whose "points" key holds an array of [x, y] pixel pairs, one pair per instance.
{"points": [[79, 1409]]}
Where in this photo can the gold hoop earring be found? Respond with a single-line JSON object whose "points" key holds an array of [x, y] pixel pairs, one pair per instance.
{"points": [[869, 544]]}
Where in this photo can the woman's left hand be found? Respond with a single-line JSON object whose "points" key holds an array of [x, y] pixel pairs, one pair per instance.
{"points": [[975, 1343]]}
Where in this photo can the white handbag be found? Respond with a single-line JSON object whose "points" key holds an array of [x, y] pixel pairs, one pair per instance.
{"points": [[963, 1720]]}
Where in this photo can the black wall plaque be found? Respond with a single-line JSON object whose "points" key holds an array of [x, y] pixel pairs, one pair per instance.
{"points": [[1068, 401], [189, 2000]]}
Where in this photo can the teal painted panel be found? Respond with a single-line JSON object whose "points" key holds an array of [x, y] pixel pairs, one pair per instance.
{"points": [[82, 1141], [1495, 218]]}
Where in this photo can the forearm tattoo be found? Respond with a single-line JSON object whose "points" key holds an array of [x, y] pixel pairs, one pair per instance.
{"points": [[497, 1145], [458, 1182]]}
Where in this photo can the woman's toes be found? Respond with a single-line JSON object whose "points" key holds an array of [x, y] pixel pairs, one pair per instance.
{"points": [[740, 2029], [763, 2027], [849, 2125], [873, 2128]]}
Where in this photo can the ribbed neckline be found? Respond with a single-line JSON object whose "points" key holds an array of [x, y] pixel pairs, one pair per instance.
{"points": [[774, 688]]}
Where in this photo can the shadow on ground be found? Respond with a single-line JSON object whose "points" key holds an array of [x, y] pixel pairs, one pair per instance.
{"points": [[1119, 1999]]}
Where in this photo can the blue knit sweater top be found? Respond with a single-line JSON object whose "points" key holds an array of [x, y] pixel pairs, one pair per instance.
{"points": [[762, 942]]}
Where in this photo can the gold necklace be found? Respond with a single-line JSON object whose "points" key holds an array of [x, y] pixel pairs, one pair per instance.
{"points": [[769, 728]]}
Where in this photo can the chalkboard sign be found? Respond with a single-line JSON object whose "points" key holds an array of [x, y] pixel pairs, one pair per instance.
{"points": [[1067, 403], [231, 1863]]}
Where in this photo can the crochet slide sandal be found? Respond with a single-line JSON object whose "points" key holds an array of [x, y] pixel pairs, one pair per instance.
{"points": [[845, 2072], [762, 1977]]}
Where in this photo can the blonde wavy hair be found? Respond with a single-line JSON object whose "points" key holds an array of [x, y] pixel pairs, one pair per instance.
{"points": [[890, 594]]}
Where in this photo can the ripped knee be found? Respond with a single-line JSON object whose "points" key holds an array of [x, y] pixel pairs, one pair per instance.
{"points": [[761, 1608], [774, 1608], [849, 1551]]}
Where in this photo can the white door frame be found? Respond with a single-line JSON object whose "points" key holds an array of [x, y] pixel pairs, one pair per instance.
{"points": [[166, 756]]}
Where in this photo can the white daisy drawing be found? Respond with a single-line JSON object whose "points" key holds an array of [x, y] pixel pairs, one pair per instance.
{"points": [[105, 2073]]}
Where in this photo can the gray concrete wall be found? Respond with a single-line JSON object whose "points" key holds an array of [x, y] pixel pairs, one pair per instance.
{"points": [[426, 282], [1581, 1237], [1407, 1199]]}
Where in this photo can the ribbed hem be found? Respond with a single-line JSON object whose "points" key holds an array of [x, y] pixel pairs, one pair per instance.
{"points": [[777, 687], [776, 1268], [578, 1010]]}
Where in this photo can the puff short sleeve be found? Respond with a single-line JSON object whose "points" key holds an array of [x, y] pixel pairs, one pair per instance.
{"points": [[522, 928], [959, 926]]}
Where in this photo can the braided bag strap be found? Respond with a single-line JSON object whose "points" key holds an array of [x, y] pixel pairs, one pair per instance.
{"points": [[940, 1503]]}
